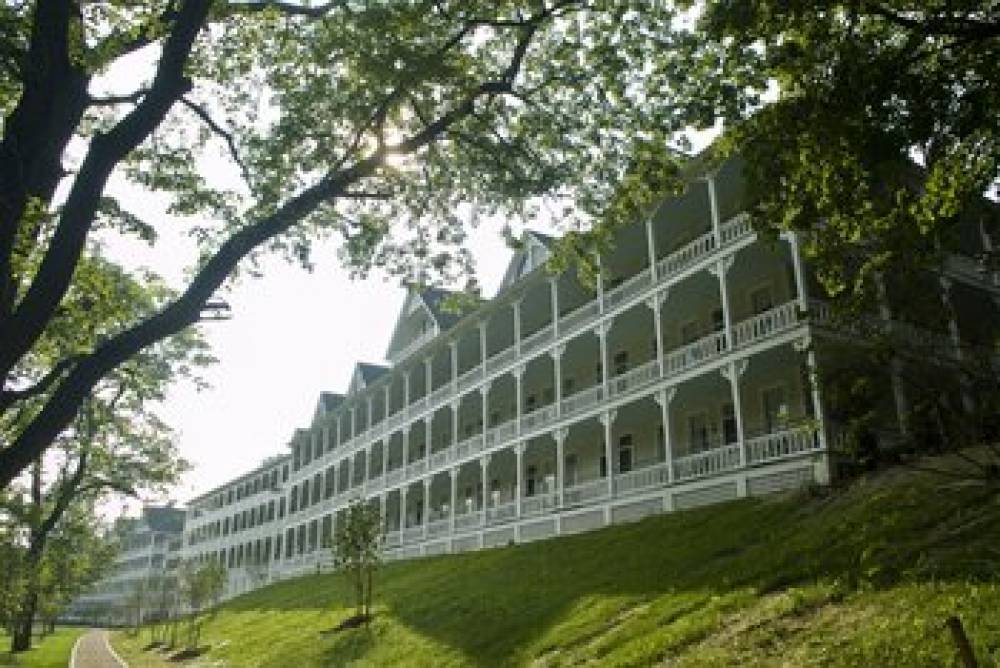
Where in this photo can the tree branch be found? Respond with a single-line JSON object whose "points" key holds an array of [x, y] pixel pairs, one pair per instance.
{"points": [[222, 133], [20, 331], [8, 397]]}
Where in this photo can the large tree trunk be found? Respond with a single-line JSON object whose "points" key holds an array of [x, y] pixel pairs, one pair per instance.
{"points": [[23, 621]]}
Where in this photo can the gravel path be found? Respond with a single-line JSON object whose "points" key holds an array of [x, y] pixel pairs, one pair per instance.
{"points": [[92, 651]]}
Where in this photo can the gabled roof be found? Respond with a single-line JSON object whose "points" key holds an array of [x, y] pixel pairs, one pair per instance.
{"points": [[364, 375], [534, 249], [435, 298], [326, 404]]}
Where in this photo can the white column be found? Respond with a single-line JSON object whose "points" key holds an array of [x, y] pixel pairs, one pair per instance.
{"points": [[817, 397], [608, 419], [720, 269], [560, 437], [484, 463], [354, 421], [368, 421], [350, 472], [519, 485], [402, 508], [655, 302], [428, 377], [406, 389], [713, 203], [602, 335], [428, 433], [453, 473], [388, 395], [664, 398], [454, 422], [556, 353], [453, 348], [326, 439], [732, 373], [651, 248], [385, 456], [801, 287], [554, 292], [339, 437], [406, 449], [484, 390], [518, 372], [517, 326]]}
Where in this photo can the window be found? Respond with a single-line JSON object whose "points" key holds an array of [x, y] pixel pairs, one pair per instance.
{"points": [[529, 482], [277, 547], [775, 408], [625, 453], [761, 299], [571, 470], [530, 403], [621, 362], [729, 431], [326, 535], [718, 320], [281, 508], [548, 395], [698, 432], [567, 386], [317, 487]]}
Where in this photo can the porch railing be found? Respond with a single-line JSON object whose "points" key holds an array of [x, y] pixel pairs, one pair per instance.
{"points": [[651, 476], [709, 462], [587, 491], [782, 444]]}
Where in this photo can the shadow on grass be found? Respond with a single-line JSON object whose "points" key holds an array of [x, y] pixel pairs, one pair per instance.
{"points": [[490, 605]]}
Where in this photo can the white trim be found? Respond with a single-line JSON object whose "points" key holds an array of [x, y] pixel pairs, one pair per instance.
{"points": [[111, 650]]}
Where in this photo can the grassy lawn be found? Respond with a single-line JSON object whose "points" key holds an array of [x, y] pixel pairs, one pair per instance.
{"points": [[862, 576], [51, 652]]}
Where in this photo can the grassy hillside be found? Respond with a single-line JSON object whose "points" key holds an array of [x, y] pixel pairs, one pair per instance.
{"points": [[862, 576]]}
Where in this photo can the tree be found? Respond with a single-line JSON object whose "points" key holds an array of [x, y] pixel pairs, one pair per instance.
{"points": [[116, 445], [201, 585], [871, 125], [391, 125], [357, 549]]}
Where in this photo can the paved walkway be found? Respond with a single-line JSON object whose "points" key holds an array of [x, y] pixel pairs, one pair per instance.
{"points": [[93, 651]]}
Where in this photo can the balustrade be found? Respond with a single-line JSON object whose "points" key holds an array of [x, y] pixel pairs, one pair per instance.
{"points": [[655, 475], [468, 520], [782, 444], [709, 462], [587, 491], [634, 379], [766, 324], [503, 512], [582, 400], [694, 353], [628, 289], [540, 503], [536, 340]]}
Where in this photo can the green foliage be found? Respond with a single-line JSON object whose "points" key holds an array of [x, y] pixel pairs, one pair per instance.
{"points": [[862, 576], [201, 585], [874, 126], [357, 549]]}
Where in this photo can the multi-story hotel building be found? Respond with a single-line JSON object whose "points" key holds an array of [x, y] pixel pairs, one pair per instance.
{"points": [[149, 547], [685, 378]]}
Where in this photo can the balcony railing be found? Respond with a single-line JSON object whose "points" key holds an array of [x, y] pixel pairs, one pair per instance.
{"points": [[766, 324], [501, 433], [536, 340], [412, 534], [709, 462], [438, 528], [468, 520], [695, 353], [783, 443], [634, 379], [628, 289], [586, 492], [651, 476], [540, 503], [501, 513], [469, 446], [582, 400]]}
